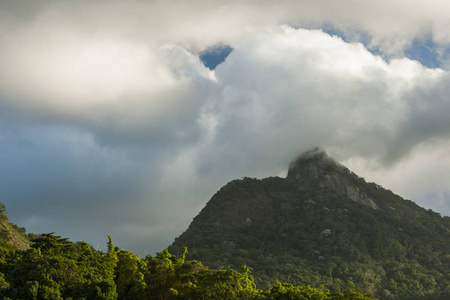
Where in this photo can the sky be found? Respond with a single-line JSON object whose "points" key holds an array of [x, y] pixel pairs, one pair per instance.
{"points": [[125, 117]]}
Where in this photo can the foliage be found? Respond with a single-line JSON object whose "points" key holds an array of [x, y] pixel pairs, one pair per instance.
{"points": [[56, 268]]}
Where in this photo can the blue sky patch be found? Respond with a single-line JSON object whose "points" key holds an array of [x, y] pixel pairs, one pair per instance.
{"points": [[427, 52], [215, 55], [424, 50]]}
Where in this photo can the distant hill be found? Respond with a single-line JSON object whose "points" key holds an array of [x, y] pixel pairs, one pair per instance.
{"points": [[10, 234], [323, 226]]}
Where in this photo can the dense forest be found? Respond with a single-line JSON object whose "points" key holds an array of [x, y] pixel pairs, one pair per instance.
{"points": [[51, 267]]}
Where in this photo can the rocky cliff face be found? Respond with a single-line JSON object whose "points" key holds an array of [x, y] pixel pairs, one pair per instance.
{"points": [[315, 167]]}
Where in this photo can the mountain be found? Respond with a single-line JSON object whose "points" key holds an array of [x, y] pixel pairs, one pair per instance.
{"points": [[326, 227], [11, 236]]}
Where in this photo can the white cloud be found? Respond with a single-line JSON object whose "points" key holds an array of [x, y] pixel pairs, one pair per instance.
{"points": [[308, 82], [391, 24]]}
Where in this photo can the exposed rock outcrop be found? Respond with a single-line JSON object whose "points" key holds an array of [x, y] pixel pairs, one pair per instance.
{"points": [[316, 167]]}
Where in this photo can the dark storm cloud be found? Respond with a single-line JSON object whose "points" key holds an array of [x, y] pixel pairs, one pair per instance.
{"points": [[426, 118]]}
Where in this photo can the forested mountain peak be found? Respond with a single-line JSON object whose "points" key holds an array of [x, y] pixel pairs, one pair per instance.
{"points": [[316, 168], [323, 226], [313, 164]]}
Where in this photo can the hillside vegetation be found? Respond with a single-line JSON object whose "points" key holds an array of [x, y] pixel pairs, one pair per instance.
{"points": [[56, 268], [11, 236], [326, 227]]}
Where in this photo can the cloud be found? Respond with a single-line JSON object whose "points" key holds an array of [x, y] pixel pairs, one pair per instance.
{"points": [[390, 24], [111, 124], [308, 84]]}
